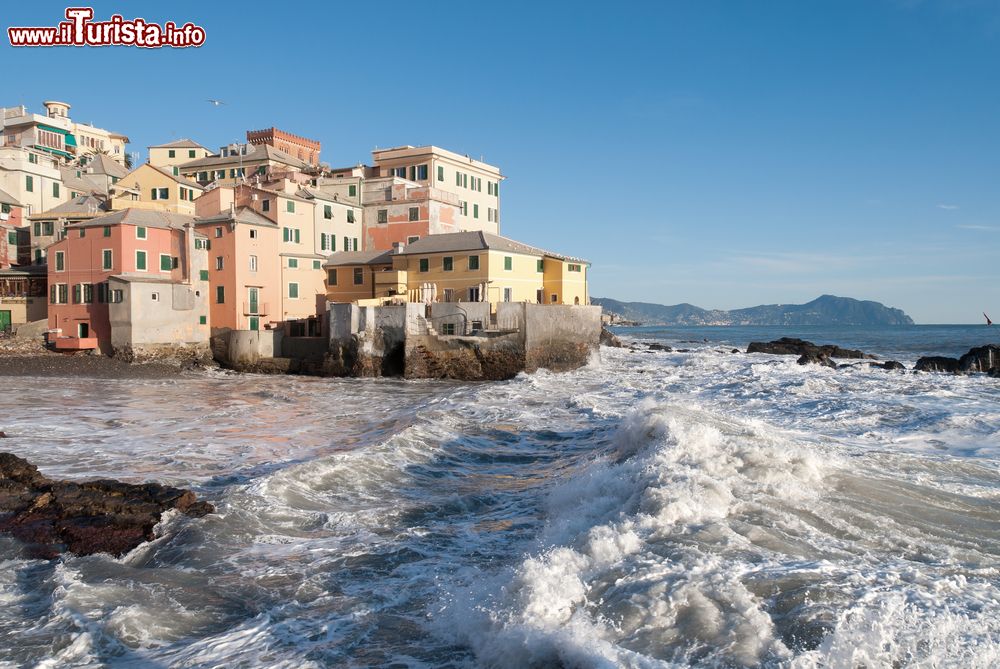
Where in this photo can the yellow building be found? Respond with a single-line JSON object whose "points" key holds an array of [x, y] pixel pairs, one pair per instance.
{"points": [[238, 163], [458, 267], [177, 152], [149, 187]]}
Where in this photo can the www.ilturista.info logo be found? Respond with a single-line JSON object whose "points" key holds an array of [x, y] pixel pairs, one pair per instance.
{"points": [[80, 30]]}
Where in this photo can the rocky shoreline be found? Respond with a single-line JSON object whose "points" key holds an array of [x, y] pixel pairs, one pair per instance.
{"points": [[106, 516]]}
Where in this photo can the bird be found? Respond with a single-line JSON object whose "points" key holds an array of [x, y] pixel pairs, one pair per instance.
{"points": [[215, 103]]}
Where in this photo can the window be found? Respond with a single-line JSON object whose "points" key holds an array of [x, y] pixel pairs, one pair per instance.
{"points": [[421, 173], [465, 208], [219, 262], [12, 237], [458, 178], [347, 243], [218, 232], [359, 276], [383, 216], [203, 274], [38, 229], [355, 243], [399, 172], [448, 263], [475, 211], [55, 189], [140, 261], [574, 268], [59, 293], [265, 205], [412, 238], [440, 173], [60, 261], [331, 277], [32, 158], [540, 266], [220, 295], [297, 238], [220, 174], [166, 263], [447, 328], [508, 263], [414, 213], [202, 176], [489, 188], [116, 296], [327, 212], [191, 153], [177, 171], [293, 263], [508, 294], [352, 191], [155, 297], [253, 234], [160, 193], [253, 263], [293, 291], [48, 228], [290, 207], [140, 232], [554, 298], [317, 264], [29, 185], [425, 265], [202, 320], [107, 257], [350, 215], [107, 230], [171, 153], [324, 241], [473, 262]]}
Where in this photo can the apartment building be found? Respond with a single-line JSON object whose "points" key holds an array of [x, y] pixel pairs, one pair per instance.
{"points": [[128, 278], [32, 177], [57, 134], [459, 267], [47, 227], [176, 153], [163, 189], [237, 163], [338, 223], [475, 183]]}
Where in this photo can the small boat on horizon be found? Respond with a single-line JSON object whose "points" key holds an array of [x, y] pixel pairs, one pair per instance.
{"points": [[988, 321]]}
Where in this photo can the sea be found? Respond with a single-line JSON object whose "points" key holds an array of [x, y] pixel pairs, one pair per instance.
{"points": [[695, 508]]}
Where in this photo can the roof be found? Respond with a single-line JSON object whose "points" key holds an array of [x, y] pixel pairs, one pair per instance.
{"points": [[242, 215], [475, 241], [7, 198], [83, 205], [179, 144], [359, 258], [325, 195], [181, 180], [103, 164], [24, 271], [142, 278], [81, 183], [254, 152], [408, 150], [145, 217]]}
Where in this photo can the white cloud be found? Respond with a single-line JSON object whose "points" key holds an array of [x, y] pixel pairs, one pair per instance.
{"points": [[980, 228], [948, 207]]}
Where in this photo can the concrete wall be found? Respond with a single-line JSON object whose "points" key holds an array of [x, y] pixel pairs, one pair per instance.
{"points": [[560, 337], [461, 315], [153, 314]]}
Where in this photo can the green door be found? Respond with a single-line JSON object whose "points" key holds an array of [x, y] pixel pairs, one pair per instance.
{"points": [[4, 321], [253, 301], [254, 323]]}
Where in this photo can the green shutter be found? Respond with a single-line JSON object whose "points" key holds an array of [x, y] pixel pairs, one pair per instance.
{"points": [[440, 173], [203, 274], [220, 294], [352, 191], [508, 263], [293, 290], [317, 264], [296, 235], [293, 263], [424, 264], [541, 265], [107, 258], [290, 207], [165, 263], [140, 260], [107, 230], [55, 189], [29, 184], [202, 320]]}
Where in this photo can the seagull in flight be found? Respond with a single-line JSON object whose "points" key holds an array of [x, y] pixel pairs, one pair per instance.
{"points": [[216, 103]]}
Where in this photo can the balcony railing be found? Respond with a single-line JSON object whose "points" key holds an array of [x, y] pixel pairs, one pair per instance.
{"points": [[255, 309]]}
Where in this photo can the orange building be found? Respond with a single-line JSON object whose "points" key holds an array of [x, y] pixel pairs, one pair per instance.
{"points": [[128, 245], [300, 147]]}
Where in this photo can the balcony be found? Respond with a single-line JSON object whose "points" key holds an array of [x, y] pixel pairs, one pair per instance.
{"points": [[255, 309]]}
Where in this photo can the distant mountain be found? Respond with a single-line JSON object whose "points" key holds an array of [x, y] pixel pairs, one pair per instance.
{"points": [[824, 310]]}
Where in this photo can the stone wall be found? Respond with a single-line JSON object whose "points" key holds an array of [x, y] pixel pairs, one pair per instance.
{"points": [[560, 337]]}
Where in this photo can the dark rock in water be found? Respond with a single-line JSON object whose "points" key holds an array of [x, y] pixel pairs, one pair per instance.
{"points": [[981, 359], [735, 350], [888, 365], [3, 435], [104, 516], [793, 346], [936, 363], [659, 347], [683, 350], [817, 359], [609, 339]]}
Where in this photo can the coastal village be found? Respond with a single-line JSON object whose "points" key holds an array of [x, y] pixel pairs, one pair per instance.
{"points": [[262, 256]]}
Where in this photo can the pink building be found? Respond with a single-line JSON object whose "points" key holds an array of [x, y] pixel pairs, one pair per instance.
{"points": [[88, 267]]}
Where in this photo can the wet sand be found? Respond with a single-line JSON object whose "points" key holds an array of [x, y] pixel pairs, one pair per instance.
{"points": [[80, 365]]}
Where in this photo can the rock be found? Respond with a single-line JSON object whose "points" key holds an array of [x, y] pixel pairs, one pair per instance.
{"points": [[735, 350], [981, 359], [659, 347], [3, 435], [817, 359], [936, 363], [104, 516], [793, 346], [888, 365], [609, 339]]}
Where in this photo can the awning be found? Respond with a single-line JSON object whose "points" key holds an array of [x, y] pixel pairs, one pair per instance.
{"points": [[51, 129], [70, 140], [55, 151]]}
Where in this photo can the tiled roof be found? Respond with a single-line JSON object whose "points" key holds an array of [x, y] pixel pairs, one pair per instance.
{"points": [[255, 152], [84, 204], [242, 215], [476, 241], [359, 258], [179, 144], [103, 164], [144, 217]]}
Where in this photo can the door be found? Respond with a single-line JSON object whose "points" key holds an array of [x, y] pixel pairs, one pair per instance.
{"points": [[254, 323], [253, 302], [83, 330], [4, 321], [474, 294]]}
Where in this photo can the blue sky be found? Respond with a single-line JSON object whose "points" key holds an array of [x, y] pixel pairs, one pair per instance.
{"points": [[726, 154]]}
